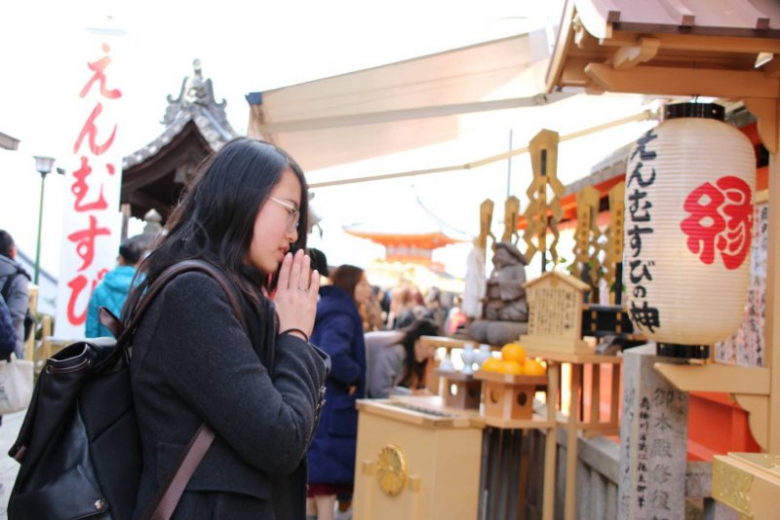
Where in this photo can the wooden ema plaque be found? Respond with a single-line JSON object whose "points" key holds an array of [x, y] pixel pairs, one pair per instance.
{"points": [[461, 390], [555, 302], [509, 397]]}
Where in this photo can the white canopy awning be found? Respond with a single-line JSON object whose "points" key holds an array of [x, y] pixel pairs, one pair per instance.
{"points": [[401, 106]]}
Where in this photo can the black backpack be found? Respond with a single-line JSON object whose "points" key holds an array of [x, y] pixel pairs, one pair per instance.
{"points": [[29, 319], [79, 445]]}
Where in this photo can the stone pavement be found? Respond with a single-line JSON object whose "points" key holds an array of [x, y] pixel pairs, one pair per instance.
{"points": [[8, 466]]}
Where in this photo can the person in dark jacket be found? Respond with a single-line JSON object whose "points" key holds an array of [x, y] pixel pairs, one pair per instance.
{"points": [[193, 362], [338, 330], [7, 335], [7, 332], [112, 291], [13, 281]]}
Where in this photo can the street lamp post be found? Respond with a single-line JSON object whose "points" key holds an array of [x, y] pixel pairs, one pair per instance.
{"points": [[44, 166]]}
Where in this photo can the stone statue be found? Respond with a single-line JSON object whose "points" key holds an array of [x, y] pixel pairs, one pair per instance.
{"points": [[505, 295], [505, 308]]}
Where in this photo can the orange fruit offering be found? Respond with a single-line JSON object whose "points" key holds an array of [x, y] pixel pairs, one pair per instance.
{"points": [[533, 367], [491, 364], [513, 352], [510, 367]]}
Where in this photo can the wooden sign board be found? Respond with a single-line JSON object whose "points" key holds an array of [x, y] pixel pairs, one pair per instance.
{"points": [[555, 302]]}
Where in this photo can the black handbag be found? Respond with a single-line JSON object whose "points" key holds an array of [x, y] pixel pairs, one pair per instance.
{"points": [[79, 445]]}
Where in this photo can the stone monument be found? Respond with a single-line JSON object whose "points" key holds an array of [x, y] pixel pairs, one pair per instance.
{"points": [[505, 310]]}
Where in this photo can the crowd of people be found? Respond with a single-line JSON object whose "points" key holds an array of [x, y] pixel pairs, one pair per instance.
{"points": [[276, 380]]}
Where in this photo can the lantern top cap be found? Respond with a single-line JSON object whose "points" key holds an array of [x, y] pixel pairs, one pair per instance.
{"points": [[699, 110]]}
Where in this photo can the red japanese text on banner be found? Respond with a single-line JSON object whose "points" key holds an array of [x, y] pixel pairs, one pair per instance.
{"points": [[91, 220]]}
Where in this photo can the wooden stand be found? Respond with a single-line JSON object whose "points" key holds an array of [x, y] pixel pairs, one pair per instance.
{"points": [[414, 463], [460, 390], [573, 423], [509, 396], [495, 474]]}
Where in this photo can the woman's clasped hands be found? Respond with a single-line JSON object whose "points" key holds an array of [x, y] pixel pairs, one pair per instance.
{"points": [[296, 294]]}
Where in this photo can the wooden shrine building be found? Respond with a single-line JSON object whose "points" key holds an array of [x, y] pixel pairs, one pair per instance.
{"points": [[155, 175]]}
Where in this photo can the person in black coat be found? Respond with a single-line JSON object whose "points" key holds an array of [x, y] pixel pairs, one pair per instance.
{"points": [[7, 332], [338, 330], [193, 362]]}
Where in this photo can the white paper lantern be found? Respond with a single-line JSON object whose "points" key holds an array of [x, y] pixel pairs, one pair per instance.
{"points": [[688, 226]]}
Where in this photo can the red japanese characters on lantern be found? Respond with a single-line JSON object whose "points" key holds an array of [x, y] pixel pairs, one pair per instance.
{"points": [[721, 218], [688, 226]]}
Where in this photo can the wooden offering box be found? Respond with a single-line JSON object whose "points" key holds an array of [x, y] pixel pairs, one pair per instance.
{"points": [[509, 397], [461, 390]]}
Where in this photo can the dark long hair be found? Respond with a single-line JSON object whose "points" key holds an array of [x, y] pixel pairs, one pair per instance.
{"points": [[415, 370], [346, 277], [215, 219]]}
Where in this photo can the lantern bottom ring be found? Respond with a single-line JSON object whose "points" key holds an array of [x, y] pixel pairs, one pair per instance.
{"points": [[678, 351]]}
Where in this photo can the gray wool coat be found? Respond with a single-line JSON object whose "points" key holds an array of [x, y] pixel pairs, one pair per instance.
{"points": [[193, 362], [385, 358]]}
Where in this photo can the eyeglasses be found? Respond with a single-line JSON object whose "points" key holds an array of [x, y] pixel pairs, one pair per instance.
{"points": [[293, 214]]}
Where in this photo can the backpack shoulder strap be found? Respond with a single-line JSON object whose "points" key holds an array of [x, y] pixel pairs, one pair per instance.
{"points": [[7, 285], [10, 279], [165, 501], [166, 276]]}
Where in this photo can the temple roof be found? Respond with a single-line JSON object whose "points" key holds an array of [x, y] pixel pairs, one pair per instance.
{"points": [[195, 126], [692, 47], [195, 103], [414, 226]]}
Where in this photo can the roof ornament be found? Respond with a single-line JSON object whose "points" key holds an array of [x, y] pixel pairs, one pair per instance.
{"points": [[195, 91]]}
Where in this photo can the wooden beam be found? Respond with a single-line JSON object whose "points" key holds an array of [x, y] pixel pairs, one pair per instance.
{"points": [[629, 57], [562, 45], [672, 81], [716, 378], [695, 42], [772, 69], [765, 111], [573, 73], [757, 407]]}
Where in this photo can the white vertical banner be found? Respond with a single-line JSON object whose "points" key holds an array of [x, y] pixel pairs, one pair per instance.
{"points": [[91, 219]]}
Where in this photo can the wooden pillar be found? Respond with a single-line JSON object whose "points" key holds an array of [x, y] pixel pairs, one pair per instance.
{"points": [[772, 324], [768, 113]]}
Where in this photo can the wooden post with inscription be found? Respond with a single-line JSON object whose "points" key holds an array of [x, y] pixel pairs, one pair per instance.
{"points": [[613, 261], [543, 149], [485, 222], [586, 246], [555, 303], [511, 211]]}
